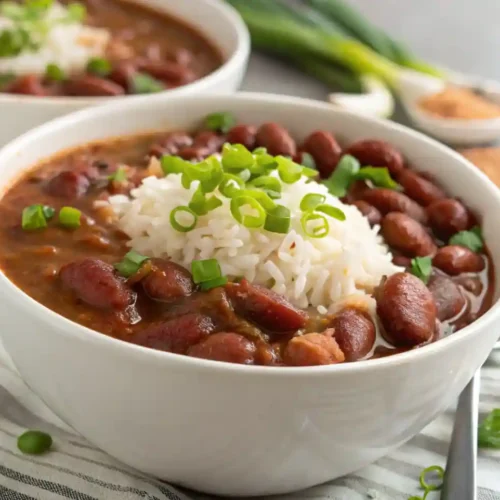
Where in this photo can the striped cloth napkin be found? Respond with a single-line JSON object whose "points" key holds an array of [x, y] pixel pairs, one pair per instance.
{"points": [[74, 469]]}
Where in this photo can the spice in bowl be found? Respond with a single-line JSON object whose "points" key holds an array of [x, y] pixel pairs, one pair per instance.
{"points": [[487, 160]]}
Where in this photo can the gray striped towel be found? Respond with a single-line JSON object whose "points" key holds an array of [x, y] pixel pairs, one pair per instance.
{"points": [[74, 469]]}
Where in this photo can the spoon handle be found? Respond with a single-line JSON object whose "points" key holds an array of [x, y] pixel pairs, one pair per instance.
{"points": [[460, 477]]}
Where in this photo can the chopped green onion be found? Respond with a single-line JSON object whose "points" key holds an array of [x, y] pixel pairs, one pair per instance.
{"points": [[33, 218], [99, 66], [311, 201], [489, 431], [172, 164], [205, 270], [34, 442], [201, 205], [76, 12], [120, 175], [130, 264], [278, 220], [220, 122], [248, 220], [231, 185], [208, 285], [307, 160], [55, 73], [309, 172], [260, 151], [435, 469], [263, 198], [289, 171], [236, 157], [338, 183], [70, 217], [378, 176], [48, 212], [264, 163], [421, 267], [469, 239], [244, 175], [213, 174], [270, 185], [311, 228], [186, 213], [142, 83], [331, 211]]}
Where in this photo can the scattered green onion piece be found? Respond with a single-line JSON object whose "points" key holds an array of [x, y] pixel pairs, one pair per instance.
{"points": [[172, 164], [34, 442], [244, 175], [179, 226], [131, 263], [76, 12], [378, 176], [220, 122], [231, 185], [33, 218], [338, 183], [55, 73], [289, 171], [309, 172], [205, 270], [436, 469], [260, 151], [208, 285], [489, 431], [307, 160], [201, 171], [120, 175], [278, 220], [421, 267], [48, 212], [236, 157], [472, 239], [70, 217], [311, 201], [216, 172], [142, 83], [331, 211], [263, 198], [250, 221], [270, 185], [318, 231], [201, 205], [265, 162], [99, 66]]}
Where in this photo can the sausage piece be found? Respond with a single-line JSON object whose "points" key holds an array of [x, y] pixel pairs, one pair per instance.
{"points": [[454, 260], [313, 349], [448, 217], [449, 299], [227, 347], [419, 189], [167, 281], [325, 150], [387, 200], [407, 235], [265, 307], [96, 283], [406, 309], [176, 335], [275, 139], [369, 211], [243, 134], [354, 333], [377, 154], [68, 184]]}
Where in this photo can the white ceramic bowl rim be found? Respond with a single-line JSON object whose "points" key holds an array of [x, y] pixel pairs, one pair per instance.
{"points": [[240, 52], [127, 349]]}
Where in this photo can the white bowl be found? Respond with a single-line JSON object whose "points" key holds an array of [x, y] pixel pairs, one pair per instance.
{"points": [[217, 20], [230, 429]]}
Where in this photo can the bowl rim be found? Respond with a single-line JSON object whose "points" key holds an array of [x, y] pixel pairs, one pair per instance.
{"points": [[67, 327], [239, 53]]}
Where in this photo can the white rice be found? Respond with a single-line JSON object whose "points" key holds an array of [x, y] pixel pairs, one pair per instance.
{"points": [[340, 268], [70, 46]]}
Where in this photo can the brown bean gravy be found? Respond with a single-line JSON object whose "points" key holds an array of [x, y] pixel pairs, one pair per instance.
{"points": [[70, 270]]}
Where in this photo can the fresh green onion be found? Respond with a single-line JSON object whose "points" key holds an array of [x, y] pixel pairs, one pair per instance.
{"points": [[205, 270], [472, 239], [208, 285], [236, 157], [244, 175], [34, 442], [311, 201], [309, 172], [119, 175], [76, 12], [310, 226], [55, 73], [421, 267], [378, 176], [489, 431], [270, 185], [48, 212], [69, 217], [260, 151], [433, 469], [33, 217], [214, 167], [231, 185], [99, 66], [201, 205], [278, 220], [263, 198], [172, 164], [307, 160], [338, 183], [186, 213], [142, 83], [248, 220], [331, 211], [130, 264], [220, 122], [289, 171]]}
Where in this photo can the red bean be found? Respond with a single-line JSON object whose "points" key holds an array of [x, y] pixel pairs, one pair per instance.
{"points": [[407, 235], [167, 281], [68, 184], [93, 86], [419, 189], [276, 139], [325, 150], [387, 200], [95, 282], [122, 73], [406, 309], [454, 260], [176, 335], [181, 56], [265, 307], [171, 144], [169, 72], [354, 333], [227, 347], [193, 153], [448, 217], [377, 154], [243, 134], [313, 349], [369, 211], [28, 85], [448, 297], [209, 140]]}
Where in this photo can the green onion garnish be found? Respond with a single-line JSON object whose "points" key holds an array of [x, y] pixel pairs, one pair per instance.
{"points": [[205, 270], [172, 164], [378, 176], [241, 206], [34, 218], [142, 83], [338, 183], [183, 219], [433, 469], [231, 185], [307, 160], [201, 205], [99, 66], [70, 217], [270, 185], [314, 225], [48, 212], [289, 171], [119, 175], [311, 201], [278, 220], [130, 264], [55, 73], [264, 163], [472, 239], [263, 198], [421, 267], [76, 12], [236, 157], [331, 211], [34, 442], [220, 122], [260, 151], [214, 174], [489, 430], [208, 285], [244, 175]]}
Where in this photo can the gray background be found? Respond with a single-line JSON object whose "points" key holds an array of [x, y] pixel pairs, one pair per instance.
{"points": [[461, 34]]}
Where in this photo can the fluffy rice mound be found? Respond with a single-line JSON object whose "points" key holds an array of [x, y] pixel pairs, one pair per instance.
{"points": [[322, 272]]}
